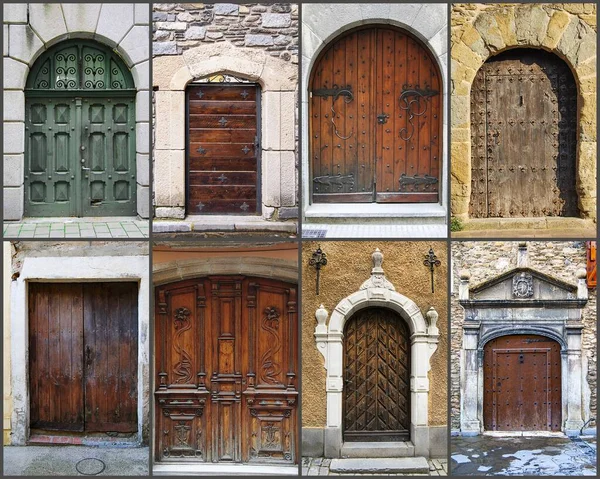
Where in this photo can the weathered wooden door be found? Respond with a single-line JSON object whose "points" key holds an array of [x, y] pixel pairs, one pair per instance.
{"points": [[80, 134], [223, 173], [375, 119], [226, 366], [523, 137], [522, 384], [376, 377], [83, 356]]}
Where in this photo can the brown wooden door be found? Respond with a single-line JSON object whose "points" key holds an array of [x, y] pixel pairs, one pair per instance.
{"points": [[376, 377], [226, 363], [83, 356], [523, 137], [223, 174], [522, 384], [375, 119]]}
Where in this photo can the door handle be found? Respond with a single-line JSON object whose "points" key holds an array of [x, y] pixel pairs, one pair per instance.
{"points": [[85, 169]]}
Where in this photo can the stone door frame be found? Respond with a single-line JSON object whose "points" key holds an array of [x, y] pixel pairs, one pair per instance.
{"points": [[322, 24], [559, 320], [495, 30], [30, 30], [74, 269], [424, 338], [277, 80]]}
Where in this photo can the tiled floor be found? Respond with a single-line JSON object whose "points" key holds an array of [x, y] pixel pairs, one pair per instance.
{"points": [[89, 228], [374, 231]]}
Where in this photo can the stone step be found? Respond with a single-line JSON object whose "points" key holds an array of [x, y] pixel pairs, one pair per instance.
{"points": [[396, 214], [377, 449], [394, 465]]}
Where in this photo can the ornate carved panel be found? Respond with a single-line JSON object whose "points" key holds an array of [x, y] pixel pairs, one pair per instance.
{"points": [[523, 137], [230, 343], [375, 119], [376, 377]]}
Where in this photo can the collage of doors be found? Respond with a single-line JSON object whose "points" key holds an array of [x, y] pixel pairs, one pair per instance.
{"points": [[289, 239]]}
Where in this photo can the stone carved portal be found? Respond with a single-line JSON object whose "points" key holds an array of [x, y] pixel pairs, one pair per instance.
{"points": [[377, 292], [519, 304]]}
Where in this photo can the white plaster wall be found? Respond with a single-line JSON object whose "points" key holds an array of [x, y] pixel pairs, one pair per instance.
{"points": [[7, 403], [79, 269], [322, 23], [29, 30]]}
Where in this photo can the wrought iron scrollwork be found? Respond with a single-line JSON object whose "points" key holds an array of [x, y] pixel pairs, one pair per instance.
{"points": [[409, 99], [335, 93]]}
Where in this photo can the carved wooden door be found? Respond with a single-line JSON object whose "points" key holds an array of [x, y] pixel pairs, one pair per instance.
{"points": [[80, 134], [375, 120], [226, 365], [522, 384], [83, 356], [523, 137], [376, 377], [223, 173]]}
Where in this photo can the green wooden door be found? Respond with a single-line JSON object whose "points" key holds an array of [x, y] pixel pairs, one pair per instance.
{"points": [[80, 134]]}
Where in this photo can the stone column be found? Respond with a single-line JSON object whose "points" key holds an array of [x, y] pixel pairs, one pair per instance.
{"points": [[573, 378], [335, 384], [469, 397], [419, 392]]}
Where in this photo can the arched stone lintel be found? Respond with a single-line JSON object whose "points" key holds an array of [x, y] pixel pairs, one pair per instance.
{"points": [[546, 332], [279, 269]]}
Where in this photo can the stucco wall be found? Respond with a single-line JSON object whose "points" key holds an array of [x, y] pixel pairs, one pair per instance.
{"points": [[485, 260], [349, 265], [479, 31], [32, 28]]}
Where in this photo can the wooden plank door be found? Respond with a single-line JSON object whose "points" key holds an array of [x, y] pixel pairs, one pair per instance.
{"points": [[226, 371], [523, 137], [376, 377], [522, 384], [83, 356], [107, 157], [223, 160], [375, 119]]}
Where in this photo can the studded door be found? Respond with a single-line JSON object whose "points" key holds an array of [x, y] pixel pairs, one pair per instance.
{"points": [[522, 384], [223, 173], [376, 377], [375, 120], [226, 363], [523, 137], [80, 133]]}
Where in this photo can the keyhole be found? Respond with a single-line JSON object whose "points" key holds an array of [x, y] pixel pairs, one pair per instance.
{"points": [[521, 100]]}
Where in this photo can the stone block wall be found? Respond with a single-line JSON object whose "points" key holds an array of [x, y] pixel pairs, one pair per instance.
{"points": [[479, 31], [255, 42], [30, 29], [488, 259]]}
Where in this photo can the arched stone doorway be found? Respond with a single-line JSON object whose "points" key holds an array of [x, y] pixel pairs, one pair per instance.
{"points": [[80, 152], [523, 137]]}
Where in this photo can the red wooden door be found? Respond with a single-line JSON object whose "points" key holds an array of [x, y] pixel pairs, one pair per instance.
{"points": [[376, 377], [226, 367], [522, 384], [375, 119], [83, 356], [223, 171]]}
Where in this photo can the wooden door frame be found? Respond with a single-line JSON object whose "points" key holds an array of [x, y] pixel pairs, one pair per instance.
{"points": [[64, 270], [314, 52]]}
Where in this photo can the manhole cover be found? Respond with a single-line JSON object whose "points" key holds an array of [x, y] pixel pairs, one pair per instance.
{"points": [[90, 466], [312, 233]]}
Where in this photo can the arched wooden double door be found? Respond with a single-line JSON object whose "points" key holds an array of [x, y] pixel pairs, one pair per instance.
{"points": [[522, 384], [523, 137], [376, 377], [226, 369], [375, 119]]}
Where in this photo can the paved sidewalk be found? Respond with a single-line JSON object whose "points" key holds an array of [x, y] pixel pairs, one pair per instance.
{"points": [[523, 233], [319, 466], [373, 231], [523, 456], [75, 461], [79, 228]]}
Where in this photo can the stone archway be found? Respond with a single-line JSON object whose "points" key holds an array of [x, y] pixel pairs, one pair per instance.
{"points": [[377, 291], [491, 30]]}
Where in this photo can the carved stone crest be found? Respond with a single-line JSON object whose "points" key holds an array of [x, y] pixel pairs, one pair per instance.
{"points": [[523, 285], [377, 279]]}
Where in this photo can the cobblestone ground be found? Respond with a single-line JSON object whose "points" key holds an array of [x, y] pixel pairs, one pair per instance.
{"points": [[523, 456], [88, 228], [319, 466]]}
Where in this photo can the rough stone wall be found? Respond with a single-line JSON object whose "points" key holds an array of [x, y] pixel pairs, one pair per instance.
{"points": [[479, 31], [349, 265], [270, 27], [486, 260]]}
